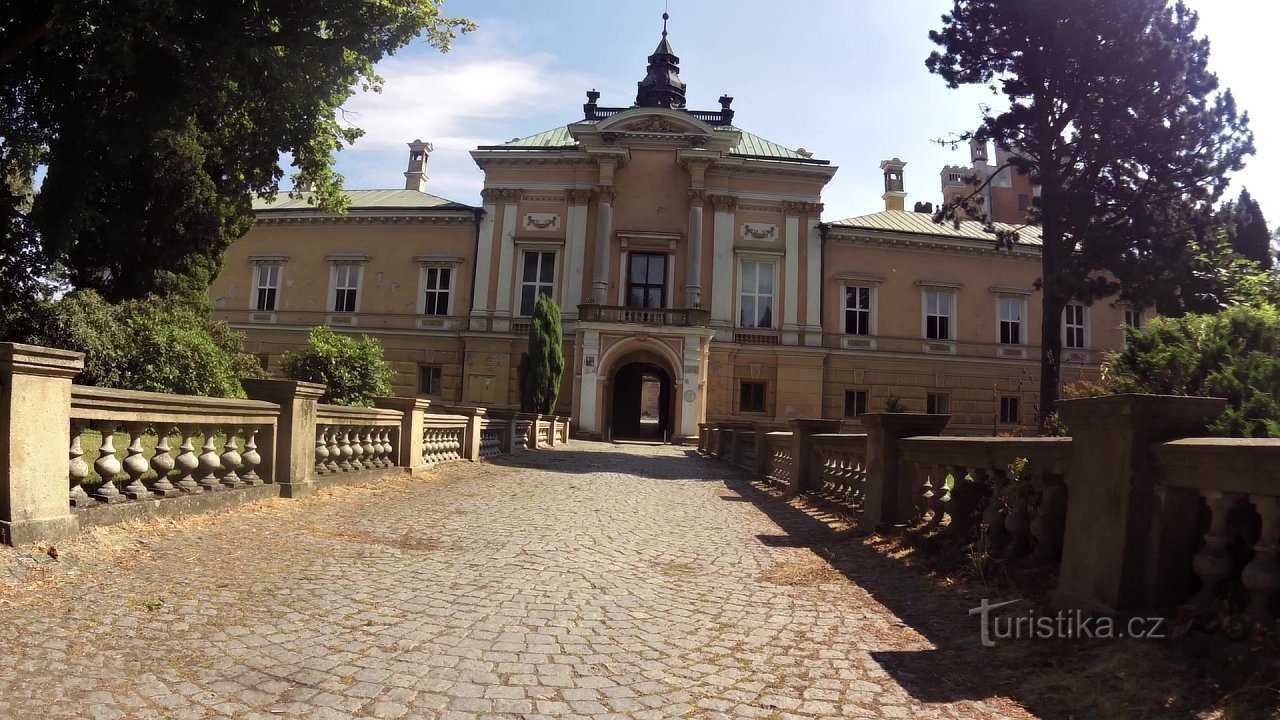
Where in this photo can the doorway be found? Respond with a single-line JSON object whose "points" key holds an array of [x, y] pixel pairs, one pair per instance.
{"points": [[641, 403]]}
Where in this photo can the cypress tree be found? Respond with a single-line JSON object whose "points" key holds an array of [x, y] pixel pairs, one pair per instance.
{"points": [[1250, 237], [543, 364]]}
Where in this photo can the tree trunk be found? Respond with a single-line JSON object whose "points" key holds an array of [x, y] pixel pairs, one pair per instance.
{"points": [[1053, 302]]}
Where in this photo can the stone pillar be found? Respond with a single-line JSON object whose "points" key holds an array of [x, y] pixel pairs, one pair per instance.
{"points": [[802, 432], [530, 439], [791, 275], [889, 494], [722, 266], [763, 453], [506, 259], [481, 304], [1124, 542], [813, 278], [509, 439], [409, 444], [35, 414], [471, 438], [575, 248], [693, 271], [295, 451], [604, 233]]}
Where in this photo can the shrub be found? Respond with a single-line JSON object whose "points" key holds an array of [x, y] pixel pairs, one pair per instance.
{"points": [[1232, 355], [154, 344], [543, 364], [354, 370]]}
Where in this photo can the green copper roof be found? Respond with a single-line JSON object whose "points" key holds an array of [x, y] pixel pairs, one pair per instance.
{"points": [[922, 224], [365, 200], [748, 144]]}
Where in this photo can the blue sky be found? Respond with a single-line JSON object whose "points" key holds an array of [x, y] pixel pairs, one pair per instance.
{"points": [[844, 79]]}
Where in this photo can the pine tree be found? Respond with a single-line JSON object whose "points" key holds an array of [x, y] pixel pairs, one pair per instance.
{"points": [[543, 364], [1114, 114], [1250, 236]]}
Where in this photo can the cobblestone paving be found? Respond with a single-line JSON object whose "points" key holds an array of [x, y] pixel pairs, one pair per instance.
{"points": [[597, 581]]}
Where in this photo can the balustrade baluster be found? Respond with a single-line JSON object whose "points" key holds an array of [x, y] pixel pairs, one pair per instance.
{"points": [[187, 462], [370, 451], [78, 467], [1213, 563], [251, 458], [135, 464], [231, 459], [344, 447], [967, 490], [163, 463], [936, 494], [1051, 518], [210, 462], [389, 447], [1261, 577], [322, 449], [357, 449], [335, 450], [107, 465]]}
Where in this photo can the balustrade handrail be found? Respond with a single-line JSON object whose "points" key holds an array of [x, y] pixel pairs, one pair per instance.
{"points": [[99, 403], [380, 417], [1051, 454], [444, 421], [672, 317], [1234, 465], [844, 442]]}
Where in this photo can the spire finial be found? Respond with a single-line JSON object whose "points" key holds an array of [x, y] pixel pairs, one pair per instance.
{"points": [[665, 18]]}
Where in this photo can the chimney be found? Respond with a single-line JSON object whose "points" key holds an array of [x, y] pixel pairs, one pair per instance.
{"points": [[895, 197], [415, 178]]}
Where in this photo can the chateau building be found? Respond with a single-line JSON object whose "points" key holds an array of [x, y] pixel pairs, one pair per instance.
{"points": [[694, 271]]}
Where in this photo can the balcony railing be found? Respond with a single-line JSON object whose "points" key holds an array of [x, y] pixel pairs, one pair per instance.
{"points": [[669, 317]]}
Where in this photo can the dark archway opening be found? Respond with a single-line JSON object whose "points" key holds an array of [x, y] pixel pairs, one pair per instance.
{"points": [[641, 402]]}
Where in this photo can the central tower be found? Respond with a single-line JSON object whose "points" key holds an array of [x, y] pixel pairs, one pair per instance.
{"points": [[662, 86]]}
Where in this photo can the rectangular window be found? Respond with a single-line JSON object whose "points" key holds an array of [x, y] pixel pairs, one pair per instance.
{"points": [[1010, 321], [438, 283], [646, 280], [537, 278], [857, 310], [1024, 202], [752, 397], [855, 403], [1009, 414], [937, 404], [938, 308], [1133, 319], [755, 294], [266, 281], [1073, 326], [346, 286], [429, 379]]}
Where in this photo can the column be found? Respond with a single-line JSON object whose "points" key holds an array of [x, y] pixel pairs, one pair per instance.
{"points": [[722, 265], [295, 446], [506, 258], [604, 231], [575, 251], [481, 305], [588, 385], [813, 277], [691, 387], [693, 285], [791, 276], [889, 496], [35, 416]]}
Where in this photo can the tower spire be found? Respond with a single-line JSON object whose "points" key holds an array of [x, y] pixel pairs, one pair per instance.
{"points": [[662, 86]]}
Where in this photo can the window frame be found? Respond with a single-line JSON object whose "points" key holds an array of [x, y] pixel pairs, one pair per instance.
{"points": [[537, 282], [764, 396], [424, 288], [664, 287], [1017, 410], [952, 333], [773, 293], [258, 287], [1083, 327], [1021, 303], [334, 287], [870, 310], [930, 400], [857, 395], [433, 374]]}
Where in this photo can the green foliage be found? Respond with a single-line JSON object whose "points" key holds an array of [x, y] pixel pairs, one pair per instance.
{"points": [[543, 365], [1249, 235], [1115, 115], [158, 121], [150, 344], [354, 370], [893, 404], [1234, 354]]}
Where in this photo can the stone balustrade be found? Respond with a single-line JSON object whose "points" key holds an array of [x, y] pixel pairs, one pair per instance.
{"points": [[1132, 513], [128, 455]]}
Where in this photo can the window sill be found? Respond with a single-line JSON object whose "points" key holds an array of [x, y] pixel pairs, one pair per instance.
{"points": [[939, 347]]}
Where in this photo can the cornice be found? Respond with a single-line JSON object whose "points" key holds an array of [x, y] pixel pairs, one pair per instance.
{"points": [[388, 219], [837, 236]]}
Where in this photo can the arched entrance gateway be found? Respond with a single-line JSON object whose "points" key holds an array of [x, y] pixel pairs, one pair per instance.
{"points": [[641, 403]]}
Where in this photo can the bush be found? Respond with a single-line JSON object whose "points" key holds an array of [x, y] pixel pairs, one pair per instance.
{"points": [[354, 370], [543, 365], [153, 344], [1232, 355]]}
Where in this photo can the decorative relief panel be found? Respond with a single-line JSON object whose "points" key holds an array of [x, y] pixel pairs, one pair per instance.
{"points": [[759, 231], [542, 221], [653, 123]]}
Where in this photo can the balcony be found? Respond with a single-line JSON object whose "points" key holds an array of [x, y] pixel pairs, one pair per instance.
{"points": [[661, 317]]}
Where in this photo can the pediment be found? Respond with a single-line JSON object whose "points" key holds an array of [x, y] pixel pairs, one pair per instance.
{"points": [[648, 121]]}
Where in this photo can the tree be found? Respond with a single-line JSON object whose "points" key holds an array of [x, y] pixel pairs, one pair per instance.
{"points": [[543, 364], [1113, 113], [353, 371], [157, 121], [1249, 234]]}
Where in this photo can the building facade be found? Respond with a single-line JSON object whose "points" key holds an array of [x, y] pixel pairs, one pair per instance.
{"points": [[694, 271]]}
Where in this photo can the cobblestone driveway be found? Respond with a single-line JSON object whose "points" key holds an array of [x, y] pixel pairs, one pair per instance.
{"points": [[598, 581]]}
